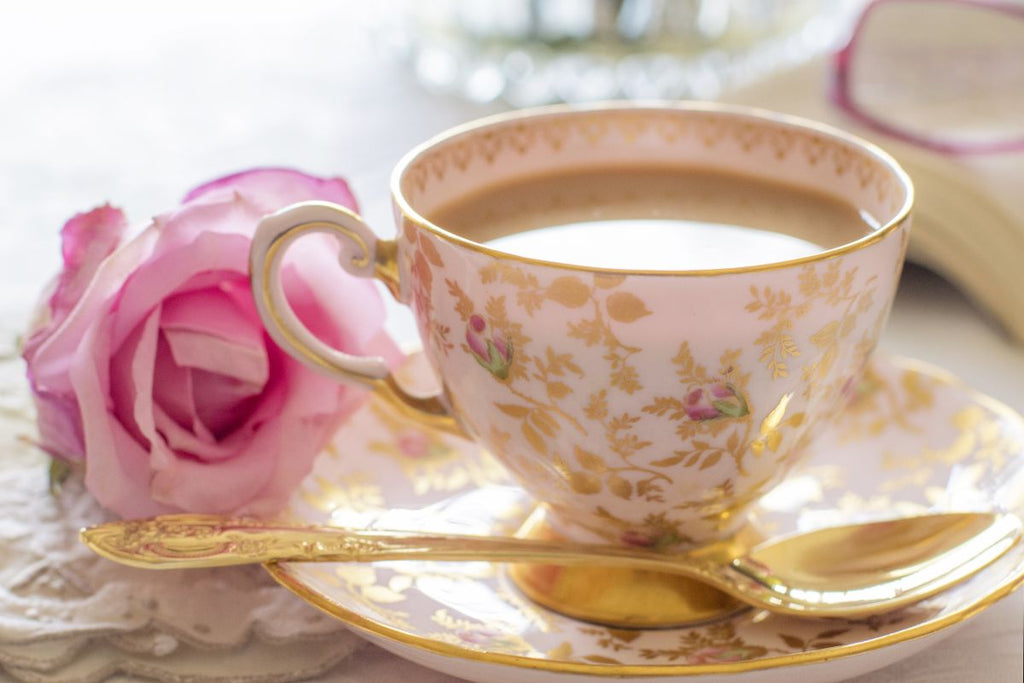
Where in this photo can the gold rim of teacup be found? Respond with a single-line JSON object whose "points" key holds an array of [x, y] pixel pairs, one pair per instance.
{"points": [[741, 112]]}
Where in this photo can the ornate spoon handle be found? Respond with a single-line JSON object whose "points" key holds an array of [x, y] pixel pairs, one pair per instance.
{"points": [[193, 541]]}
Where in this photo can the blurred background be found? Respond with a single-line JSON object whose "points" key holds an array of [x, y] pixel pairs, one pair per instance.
{"points": [[530, 52], [134, 102]]}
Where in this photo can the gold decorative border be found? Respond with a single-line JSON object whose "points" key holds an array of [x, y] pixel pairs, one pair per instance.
{"points": [[423, 151], [375, 629]]}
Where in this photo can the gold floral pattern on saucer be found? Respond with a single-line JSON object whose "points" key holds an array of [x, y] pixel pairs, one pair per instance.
{"points": [[913, 439]]}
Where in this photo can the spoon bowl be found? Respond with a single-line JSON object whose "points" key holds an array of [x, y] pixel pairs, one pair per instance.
{"points": [[844, 571]]}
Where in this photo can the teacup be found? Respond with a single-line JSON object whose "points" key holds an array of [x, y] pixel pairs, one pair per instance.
{"points": [[646, 408]]}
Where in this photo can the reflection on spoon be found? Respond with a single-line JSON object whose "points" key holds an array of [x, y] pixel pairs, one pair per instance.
{"points": [[843, 571]]}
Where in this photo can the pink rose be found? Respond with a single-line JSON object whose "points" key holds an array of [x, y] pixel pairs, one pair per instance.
{"points": [[150, 364]]}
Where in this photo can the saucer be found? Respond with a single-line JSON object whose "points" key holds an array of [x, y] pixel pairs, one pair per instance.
{"points": [[913, 440]]}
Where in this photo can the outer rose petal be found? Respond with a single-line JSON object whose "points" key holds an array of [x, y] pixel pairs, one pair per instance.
{"points": [[117, 472], [49, 355], [86, 240], [59, 424], [275, 188], [291, 471], [89, 275]]}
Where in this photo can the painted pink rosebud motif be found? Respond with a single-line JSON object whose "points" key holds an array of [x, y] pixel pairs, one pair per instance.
{"points": [[721, 399], [414, 445], [492, 350], [637, 538]]}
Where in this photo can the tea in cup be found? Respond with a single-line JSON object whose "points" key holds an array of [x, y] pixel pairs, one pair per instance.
{"points": [[644, 312]]}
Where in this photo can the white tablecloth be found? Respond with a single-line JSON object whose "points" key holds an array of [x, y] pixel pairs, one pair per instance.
{"points": [[125, 102]]}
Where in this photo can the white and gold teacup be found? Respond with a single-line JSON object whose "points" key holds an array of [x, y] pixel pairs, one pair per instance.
{"points": [[646, 408]]}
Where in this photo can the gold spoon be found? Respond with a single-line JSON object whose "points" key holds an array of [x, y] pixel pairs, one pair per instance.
{"points": [[842, 571]]}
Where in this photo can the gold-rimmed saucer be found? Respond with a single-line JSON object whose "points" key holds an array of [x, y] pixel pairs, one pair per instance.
{"points": [[913, 440]]}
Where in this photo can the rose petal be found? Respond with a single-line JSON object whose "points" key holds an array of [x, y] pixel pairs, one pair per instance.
{"points": [[117, 471], [222, 403], [251, 416], [223, 486], [121, 478], [86, 240], [219, 336], [50, 355], [213, 487], [213, 255], [341, 309], [236, 215], [275, 188], [131, 380], [197, 443], [192, 413], [90, 237], [212, 310], [351, 323], [205, 330], [174, 400], [59, 424]]}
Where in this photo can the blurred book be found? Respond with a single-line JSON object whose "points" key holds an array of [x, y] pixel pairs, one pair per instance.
{"points": [[968, 223]]}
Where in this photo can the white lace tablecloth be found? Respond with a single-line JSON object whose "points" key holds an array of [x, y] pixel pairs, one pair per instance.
{"points": [[134, 103]]}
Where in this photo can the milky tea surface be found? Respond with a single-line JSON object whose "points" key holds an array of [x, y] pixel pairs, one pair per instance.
{"points": [[654, 218]]}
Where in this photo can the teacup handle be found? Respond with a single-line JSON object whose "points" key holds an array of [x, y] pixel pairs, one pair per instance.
{"points": [[361, 254]]}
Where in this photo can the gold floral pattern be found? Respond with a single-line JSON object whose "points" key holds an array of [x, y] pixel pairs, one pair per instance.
{"points": [[718, 643], [567, 444], [840, 289]]}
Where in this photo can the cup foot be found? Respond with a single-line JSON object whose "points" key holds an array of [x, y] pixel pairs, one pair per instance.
{"points": [[614, 596]]}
